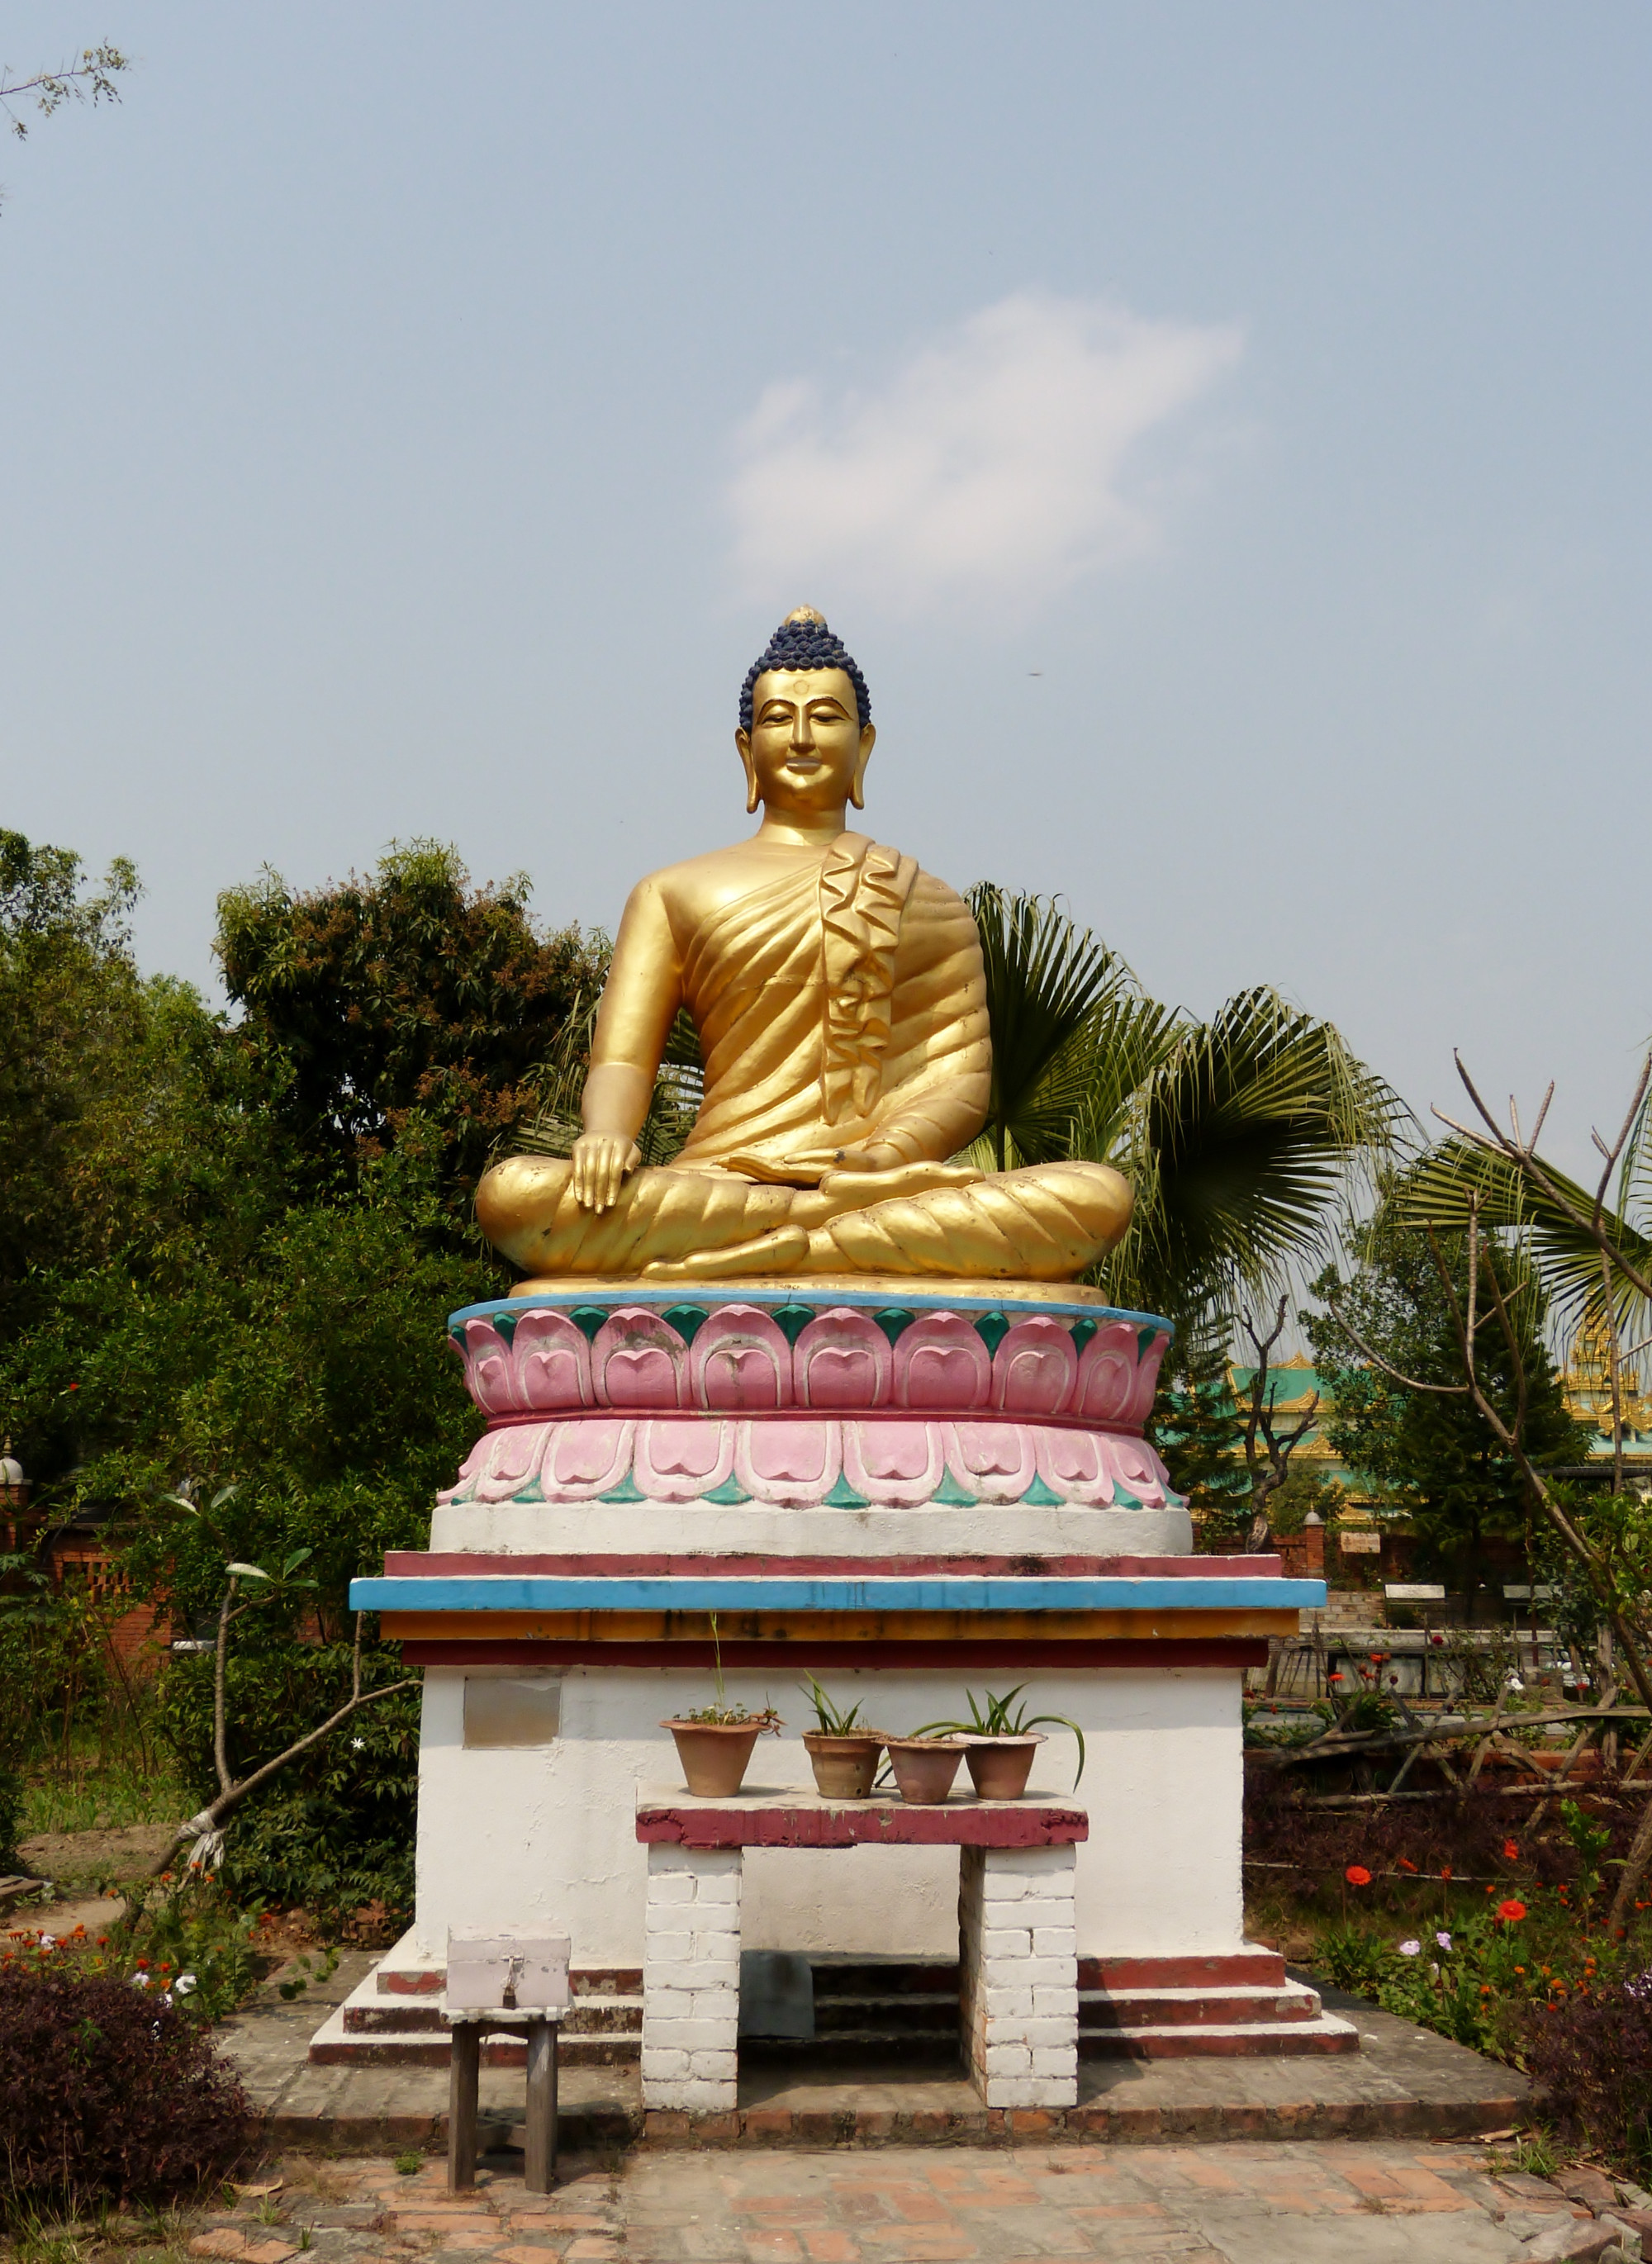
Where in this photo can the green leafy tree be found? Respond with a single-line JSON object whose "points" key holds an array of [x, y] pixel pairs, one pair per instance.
{"points": [[1434, 1454], [1303, 1494], [70, 1014], [1197, 1429], [89, 78], [406, 1003]]}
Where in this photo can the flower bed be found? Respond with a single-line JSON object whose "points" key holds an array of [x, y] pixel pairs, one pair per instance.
{"points": [[1491, 1934]]}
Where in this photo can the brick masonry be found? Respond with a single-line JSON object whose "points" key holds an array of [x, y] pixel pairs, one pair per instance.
{"points": [[1019, 1979], [691, 1979]]}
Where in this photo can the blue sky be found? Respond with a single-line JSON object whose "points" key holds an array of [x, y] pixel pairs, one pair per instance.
{"points": [[1220, 433]]}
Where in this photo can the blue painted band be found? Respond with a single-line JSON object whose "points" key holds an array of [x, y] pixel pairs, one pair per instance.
{"points": [[700, 1292], [505, 1592]]}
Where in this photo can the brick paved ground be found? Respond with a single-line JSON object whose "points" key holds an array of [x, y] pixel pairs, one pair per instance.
{"points": [[1330, 2202]]}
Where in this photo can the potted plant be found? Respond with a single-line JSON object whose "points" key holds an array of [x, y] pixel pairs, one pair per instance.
{"points": [[714, 1742], [844, 1758], [924, 1765], [1000, 1739]]}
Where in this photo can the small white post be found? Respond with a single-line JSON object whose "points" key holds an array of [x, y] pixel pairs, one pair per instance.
{"points": [[1018, 1961], [691, 1977]]}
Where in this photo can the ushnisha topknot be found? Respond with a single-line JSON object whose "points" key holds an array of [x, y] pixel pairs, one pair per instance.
{"points": [[804, 641]]}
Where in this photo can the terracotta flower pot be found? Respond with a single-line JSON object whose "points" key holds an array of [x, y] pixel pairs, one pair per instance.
{"points": [[1002, 1766], [843, 1766], [714, 1755], [924, 1768]]}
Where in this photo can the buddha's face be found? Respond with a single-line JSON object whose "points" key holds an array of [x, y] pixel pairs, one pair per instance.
{"points": [[805, 752]]}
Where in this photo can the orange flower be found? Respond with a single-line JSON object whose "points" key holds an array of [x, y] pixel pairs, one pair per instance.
{"points": [[1357, 1875], [1404, 1866], [1444, 1870], [1511, 1851], [1511, 1911]]}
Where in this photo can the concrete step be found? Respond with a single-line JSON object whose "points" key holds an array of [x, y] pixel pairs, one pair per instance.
{"points": [[590, 2016], [1243, 2039], [911, 2015], [333, 2045], [1151, 2009]]}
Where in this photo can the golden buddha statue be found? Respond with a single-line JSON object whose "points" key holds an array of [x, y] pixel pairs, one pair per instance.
{"points": [[840, 1000]]}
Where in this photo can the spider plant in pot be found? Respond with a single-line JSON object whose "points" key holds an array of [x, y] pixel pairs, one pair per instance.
{"points": [[1000, 1739], [843, 1752], [714, 1742]]}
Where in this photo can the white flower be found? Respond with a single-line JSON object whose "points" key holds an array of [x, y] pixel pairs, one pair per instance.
{"points": [[1410, 1949], [140, 1980], [357, 1744], [48, 1941], [183, 1983], [1444, 1939]]}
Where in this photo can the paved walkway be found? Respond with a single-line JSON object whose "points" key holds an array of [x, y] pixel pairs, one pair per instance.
{"points": [[1334, 2202]]}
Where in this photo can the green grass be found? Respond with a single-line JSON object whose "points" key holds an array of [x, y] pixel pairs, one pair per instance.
{"points": [[100, 1800]]}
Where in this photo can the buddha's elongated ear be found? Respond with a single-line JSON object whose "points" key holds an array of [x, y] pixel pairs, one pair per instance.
{"points": [[742, 740], [868, 738]]}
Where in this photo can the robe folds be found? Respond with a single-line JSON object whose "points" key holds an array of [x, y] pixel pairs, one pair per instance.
{"points": [[840, 1004]]}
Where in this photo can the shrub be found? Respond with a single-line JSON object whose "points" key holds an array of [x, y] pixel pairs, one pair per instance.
{"points": [[1590, 2060], [335, 1830], [11, 1817], [188, 1927], [105, 2092]]}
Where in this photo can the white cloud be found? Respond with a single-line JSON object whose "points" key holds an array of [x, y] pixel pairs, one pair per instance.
{"points": [[993, 466]]}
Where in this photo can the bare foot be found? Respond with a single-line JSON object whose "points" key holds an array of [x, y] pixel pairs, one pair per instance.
{"points": [[774, 1252], [842, 1190]]}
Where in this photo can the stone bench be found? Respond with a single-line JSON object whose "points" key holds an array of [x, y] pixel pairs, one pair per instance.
{"points": [[1017, 1940]]}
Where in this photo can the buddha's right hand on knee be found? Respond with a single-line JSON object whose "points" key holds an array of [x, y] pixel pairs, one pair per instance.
{"points": [[601, 1160]]}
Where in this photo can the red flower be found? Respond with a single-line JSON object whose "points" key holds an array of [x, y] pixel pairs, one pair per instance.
{"points": [[1404, 1866], [1357, 1875], [1444, 1870], [1511, 1911], [1511, 1851]]}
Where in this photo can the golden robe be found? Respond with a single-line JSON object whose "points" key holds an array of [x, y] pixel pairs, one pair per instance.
{"points": [[839, 1006], [836, 1007]]}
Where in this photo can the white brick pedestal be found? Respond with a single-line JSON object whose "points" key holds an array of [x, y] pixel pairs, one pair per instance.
{"points": [[1017, 1949], [691, 1977]]}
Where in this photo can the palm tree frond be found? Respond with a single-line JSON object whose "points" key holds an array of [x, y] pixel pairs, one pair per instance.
{"points": [[1246, 1133], [1440, 1188], [1046, 978]]}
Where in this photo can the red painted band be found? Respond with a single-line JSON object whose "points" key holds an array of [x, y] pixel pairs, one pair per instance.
{"points": [[1250, 1968], [431, 1564], [963, 1824]]}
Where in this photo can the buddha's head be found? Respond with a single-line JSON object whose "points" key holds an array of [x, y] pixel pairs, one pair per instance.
{"points": [[805, 729]]}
